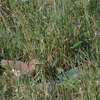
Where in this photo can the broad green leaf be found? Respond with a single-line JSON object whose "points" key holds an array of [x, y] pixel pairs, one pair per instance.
{"points": [[5, 88], [76, 44]]}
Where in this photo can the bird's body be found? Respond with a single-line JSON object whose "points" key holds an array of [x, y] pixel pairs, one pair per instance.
{"points": [[19, 67]]}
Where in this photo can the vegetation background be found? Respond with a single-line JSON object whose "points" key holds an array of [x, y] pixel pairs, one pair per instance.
{"points": [[63, 33]]}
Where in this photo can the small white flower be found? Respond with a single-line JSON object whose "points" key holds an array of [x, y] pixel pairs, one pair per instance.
{"points": [[16, 73], [78, 26], [43, 17], [97, 33], [24, 0]]}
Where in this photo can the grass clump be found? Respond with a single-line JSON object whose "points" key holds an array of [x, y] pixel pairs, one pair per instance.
{"points": [[64, 34]]}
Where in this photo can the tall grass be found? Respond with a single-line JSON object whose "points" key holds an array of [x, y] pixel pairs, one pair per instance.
{"points": [[59, 32]]}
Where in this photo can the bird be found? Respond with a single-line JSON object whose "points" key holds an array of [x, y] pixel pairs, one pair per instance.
{"points": [[21, 68]]}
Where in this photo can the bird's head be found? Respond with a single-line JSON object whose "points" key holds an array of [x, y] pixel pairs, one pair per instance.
{"points": [[34, 62]]}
